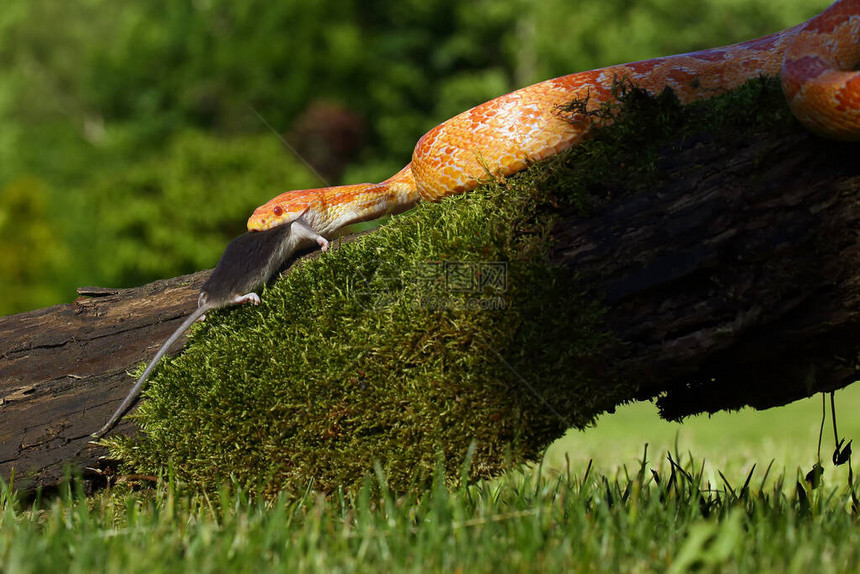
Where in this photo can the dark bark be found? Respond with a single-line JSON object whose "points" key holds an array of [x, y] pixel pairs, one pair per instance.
{"points": [[64, 369], [735, 283]]}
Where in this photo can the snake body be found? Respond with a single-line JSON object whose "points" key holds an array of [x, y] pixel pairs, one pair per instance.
{"points": [[817, 62]]}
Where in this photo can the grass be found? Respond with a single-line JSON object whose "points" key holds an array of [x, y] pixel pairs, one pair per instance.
{"points": [[615, 514], [730, 442]]}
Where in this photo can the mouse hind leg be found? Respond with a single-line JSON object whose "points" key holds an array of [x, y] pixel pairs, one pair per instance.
{"points": [[252, 298]]}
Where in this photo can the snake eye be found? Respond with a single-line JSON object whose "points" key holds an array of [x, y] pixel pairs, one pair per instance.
{"points": [[278, 211]]}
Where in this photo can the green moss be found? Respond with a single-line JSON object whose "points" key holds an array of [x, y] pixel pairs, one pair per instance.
{"points": [[386, 349], [624, 158], [403, 348]]}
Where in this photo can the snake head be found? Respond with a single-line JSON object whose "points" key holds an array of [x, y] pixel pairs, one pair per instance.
{"points": [[283, 209]]}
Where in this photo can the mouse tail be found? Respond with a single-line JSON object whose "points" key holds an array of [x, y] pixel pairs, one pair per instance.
{"points": [[134, 394]]}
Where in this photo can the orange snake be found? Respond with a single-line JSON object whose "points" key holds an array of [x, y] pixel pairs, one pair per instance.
{"points": [[817, 62]]}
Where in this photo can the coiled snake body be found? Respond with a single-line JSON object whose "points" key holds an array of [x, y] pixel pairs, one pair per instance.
{"points": [[817, 62]]}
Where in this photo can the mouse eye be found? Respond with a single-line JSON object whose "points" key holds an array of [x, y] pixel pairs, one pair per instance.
{"points": [[278, 211]]}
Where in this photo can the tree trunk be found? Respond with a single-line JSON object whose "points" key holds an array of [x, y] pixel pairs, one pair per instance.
{"points": [[737, 283]]}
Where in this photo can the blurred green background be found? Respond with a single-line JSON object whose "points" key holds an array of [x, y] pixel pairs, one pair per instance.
{"points": [[727, 442], [129, 146]]}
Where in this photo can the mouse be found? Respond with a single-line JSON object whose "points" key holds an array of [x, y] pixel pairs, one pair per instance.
{"points": [[248, 262]]}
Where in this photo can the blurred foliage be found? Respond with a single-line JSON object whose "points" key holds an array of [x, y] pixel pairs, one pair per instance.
{"points": [[124, 115], [171, 213], [32, 254]]}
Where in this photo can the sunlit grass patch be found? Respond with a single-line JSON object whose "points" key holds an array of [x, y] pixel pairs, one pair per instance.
{"points": [[649, 516]]}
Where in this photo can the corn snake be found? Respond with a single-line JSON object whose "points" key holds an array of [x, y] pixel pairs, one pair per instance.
{"points": [[817, 62]]}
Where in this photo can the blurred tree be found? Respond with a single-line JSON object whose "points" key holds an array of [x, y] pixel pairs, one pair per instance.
{"points": [[328, 137]]}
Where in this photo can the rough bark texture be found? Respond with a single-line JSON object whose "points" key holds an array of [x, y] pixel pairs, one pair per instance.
{"points": [[65, 368], [737, 283]]}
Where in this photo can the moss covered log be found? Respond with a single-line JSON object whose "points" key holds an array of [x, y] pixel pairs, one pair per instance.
{"points": [[445, 329], [482, 327]]}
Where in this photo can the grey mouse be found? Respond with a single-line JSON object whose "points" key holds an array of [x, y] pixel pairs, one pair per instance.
{"points": [[249, 261]]}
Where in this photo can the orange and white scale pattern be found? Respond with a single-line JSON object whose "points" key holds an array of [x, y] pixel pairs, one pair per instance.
{"points": [[820, 76], [500, 137]]}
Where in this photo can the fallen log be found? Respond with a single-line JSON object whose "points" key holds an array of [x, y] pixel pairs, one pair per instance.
{"points": [[65, 368], [736, 283]]}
